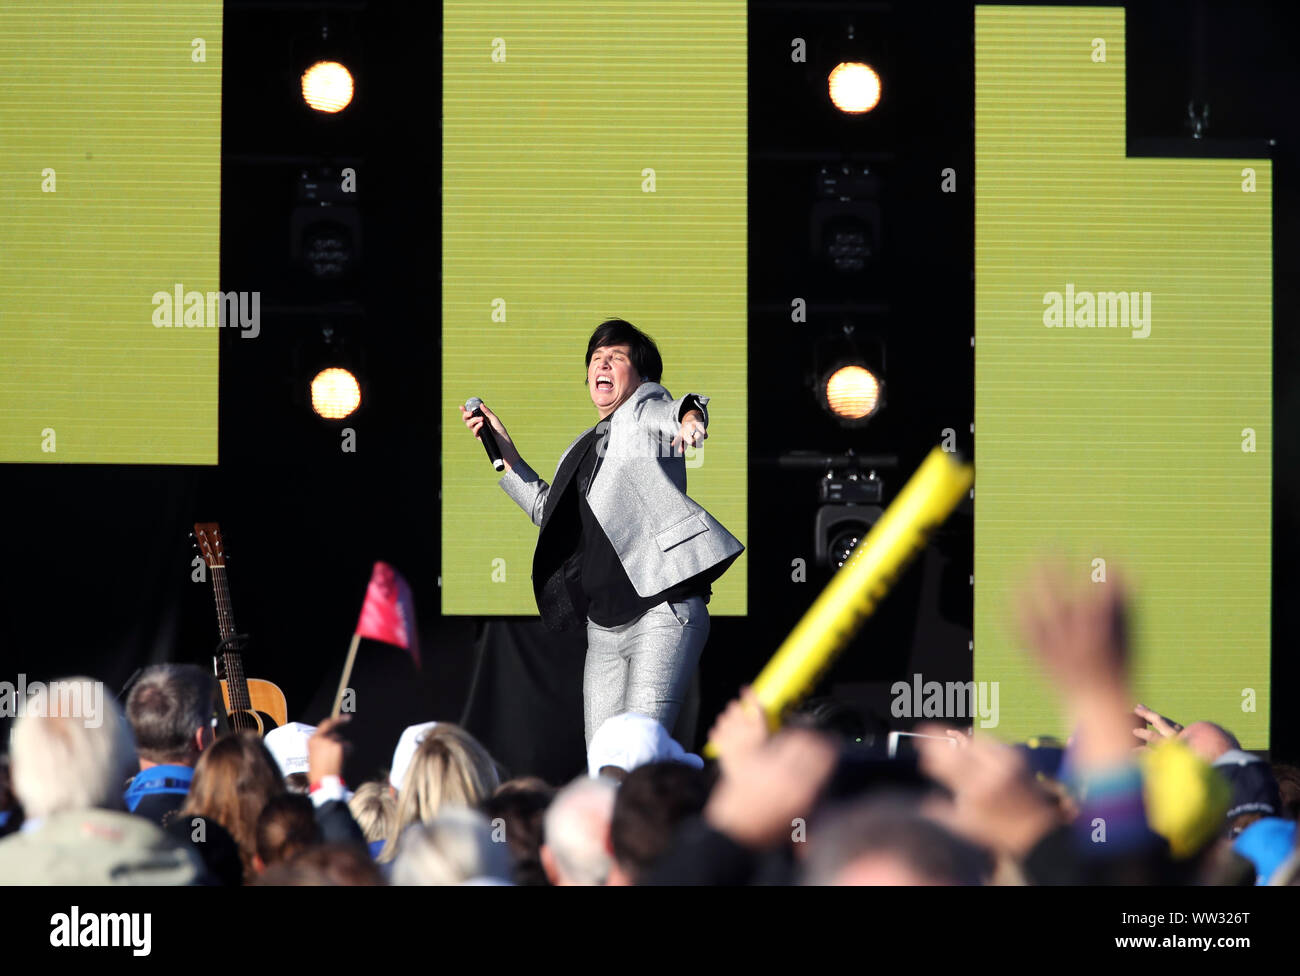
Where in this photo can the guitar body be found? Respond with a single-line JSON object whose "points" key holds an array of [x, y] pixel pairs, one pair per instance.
{"points": [[270, 709]]}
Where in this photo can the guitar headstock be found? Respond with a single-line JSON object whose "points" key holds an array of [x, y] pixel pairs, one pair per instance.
{"points": [[207, 537]]}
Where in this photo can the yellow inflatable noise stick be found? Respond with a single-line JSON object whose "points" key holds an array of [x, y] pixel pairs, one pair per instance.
{"points": [[851, 597]]}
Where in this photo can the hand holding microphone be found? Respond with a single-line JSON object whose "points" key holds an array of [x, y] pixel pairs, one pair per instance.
{"points": [[488, 428]]}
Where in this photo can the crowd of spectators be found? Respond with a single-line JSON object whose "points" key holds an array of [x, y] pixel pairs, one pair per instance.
{"points": [[151, 795]]}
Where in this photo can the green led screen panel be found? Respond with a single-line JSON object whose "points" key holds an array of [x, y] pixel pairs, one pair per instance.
{"points": [[110, 168], [1123, 374], [594, 167]]}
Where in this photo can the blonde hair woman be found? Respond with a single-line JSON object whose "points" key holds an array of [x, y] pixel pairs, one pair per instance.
{"points": [[450, 769], [374, 808]]}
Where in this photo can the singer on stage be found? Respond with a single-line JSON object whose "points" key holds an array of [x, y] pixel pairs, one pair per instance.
{"points": [[622, 549]]}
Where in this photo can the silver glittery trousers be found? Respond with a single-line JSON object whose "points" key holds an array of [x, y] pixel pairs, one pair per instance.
{"points": [[645, 665]]}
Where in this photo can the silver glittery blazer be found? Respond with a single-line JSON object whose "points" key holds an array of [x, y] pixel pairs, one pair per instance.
{"points": [[639, 497]]}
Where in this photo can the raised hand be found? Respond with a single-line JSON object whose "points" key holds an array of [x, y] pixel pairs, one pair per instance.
{"points": [[508, 452], [762, 790], [740, 729], [1165, 728], [692, 432], [326, 749], [1078, 632], [995, 802]]}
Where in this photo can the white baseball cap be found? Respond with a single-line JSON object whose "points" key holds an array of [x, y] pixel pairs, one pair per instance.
{"points": [[411, 738], [631, 740], [288, 744]]}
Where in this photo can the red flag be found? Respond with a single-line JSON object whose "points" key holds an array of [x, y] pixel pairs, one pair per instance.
{"points": [[388, 614]]}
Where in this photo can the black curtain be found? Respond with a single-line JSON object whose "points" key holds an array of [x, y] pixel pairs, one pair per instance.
{"points": [[525, 702]]}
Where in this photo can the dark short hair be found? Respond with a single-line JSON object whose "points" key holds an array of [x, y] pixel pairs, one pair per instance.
{"points": [[652, 801], [167, 705], [325, 864], [642, 349], [522, 813], [286, 827]]}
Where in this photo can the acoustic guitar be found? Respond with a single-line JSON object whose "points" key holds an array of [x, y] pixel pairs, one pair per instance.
{"points": [[252, 705]]}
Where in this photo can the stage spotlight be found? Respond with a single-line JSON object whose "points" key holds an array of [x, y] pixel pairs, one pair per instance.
{"points": [[850, 494], [847, 375], [329, 366], [327, 86], [325, 227], [842, 545], [335, 393], [845, 219], [850, 506], [854, 87], [327, 249], [839, 530], [852, 392]]}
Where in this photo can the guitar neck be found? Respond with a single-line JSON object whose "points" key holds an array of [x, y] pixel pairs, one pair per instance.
{"points": [[236, 683]]}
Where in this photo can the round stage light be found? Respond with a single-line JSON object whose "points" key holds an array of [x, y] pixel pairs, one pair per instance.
{"points": [[855, 87], [327, 86], [852, 392], [842, 546], [335, 393]]}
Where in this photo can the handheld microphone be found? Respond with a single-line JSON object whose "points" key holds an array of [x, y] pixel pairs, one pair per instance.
{"points": [[485, 434]]}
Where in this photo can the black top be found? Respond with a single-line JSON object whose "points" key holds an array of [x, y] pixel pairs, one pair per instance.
{"points": [[218, 851], [159, 806], [611, 598]]}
